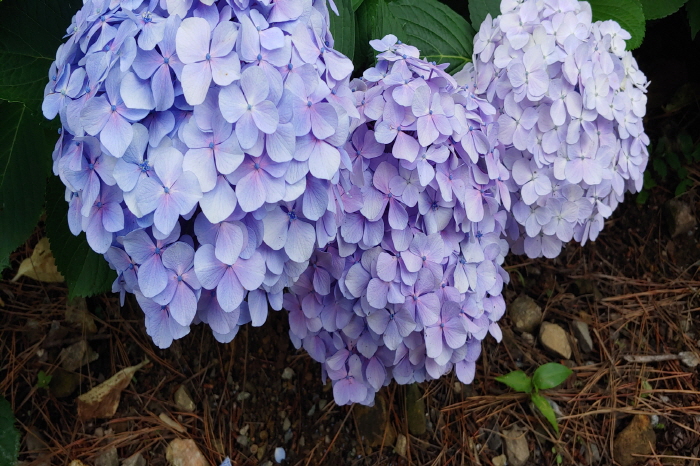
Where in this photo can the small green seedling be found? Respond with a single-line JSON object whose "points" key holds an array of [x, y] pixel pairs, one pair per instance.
{"points": [[546, 376], [43, 380]]}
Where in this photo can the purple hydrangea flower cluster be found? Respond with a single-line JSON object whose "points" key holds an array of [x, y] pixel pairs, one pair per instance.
{"points": [[413, 283], [200, 148], [571, 102]]}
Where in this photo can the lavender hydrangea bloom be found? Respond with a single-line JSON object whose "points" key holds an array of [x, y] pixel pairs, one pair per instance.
{"points": [[571, 102], [407, 223]]}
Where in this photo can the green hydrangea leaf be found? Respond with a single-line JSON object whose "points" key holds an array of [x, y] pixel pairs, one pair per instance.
{"points": [[25, 161], [478, 9], [442, 35], [628, 13], [343, 28], [656, 9], [85, 271], [30, 33], [9, 435], [693, 10]]}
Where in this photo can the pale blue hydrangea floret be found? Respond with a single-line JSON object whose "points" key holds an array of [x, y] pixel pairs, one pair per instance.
{"points": [[571, 102], [200, 148]]}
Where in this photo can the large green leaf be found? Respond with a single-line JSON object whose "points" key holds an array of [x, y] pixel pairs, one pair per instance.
{"points": [[25, 156], [442, 35], [30, 33], [85, 271], [628, 13], [656, 9], [343, 28], [356, 4], [478, 9], [9, 436], [693, 10], [374, 21]]}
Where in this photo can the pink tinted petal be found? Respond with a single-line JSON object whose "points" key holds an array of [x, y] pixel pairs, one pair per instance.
{"points": [[218, 203], [226, 70], [183, 306], [266, 117], [300, 241], [192, 40], [116, 134], [201, 163], [433, 341], [196, 79]]}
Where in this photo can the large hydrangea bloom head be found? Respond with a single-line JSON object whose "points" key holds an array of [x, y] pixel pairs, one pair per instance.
{"points": [[571, 101], [200, 147], [413, 283]]}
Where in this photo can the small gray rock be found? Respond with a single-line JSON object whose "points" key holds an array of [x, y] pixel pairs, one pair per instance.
{"points": [[401, 445], [107, 458], [517, 448], [77, 355], [183, 400], [134, 460], [287, 373], [583, 335], [554, 339], [499, 460], [679, 217], [525, 314]]}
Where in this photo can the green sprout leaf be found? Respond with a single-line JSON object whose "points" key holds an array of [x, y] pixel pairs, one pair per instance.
{"points": [[545, 408], [43, 380], [550, 375], [517, 380], [9, 435]]}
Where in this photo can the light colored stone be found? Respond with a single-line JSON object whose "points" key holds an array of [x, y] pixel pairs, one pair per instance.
{"points": [[638, 438], [77, 313], [583, 335], [287, 373], [107, 458], [525, 314], [517, 448], [679, 217], [134, 460], [76, 356], [401, 445], [184, 453], [183, 400], [500, 460], [555, 339], [689, 358]]}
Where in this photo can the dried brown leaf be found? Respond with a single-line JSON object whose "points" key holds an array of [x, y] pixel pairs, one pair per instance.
{"points": [[103, 400]]}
